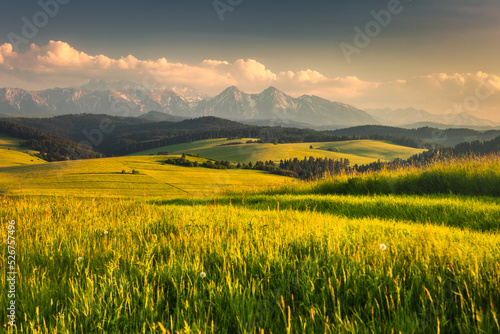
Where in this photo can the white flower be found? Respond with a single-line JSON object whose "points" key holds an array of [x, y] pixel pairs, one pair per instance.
{"points": [[114, 239], [105, 232], [203, 275], [80, 259], [383, 247]]}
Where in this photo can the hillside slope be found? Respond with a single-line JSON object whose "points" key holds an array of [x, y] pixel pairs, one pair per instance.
{"points": [[12, 154], [104, 177], [357, 151]]}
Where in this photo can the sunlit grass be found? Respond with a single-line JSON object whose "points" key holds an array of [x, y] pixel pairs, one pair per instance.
{"points": [[268, 269], [12, 154], [399, 252], [474, 176], [103, 177]]}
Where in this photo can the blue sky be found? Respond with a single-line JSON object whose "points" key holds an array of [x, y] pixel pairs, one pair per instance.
{"points": [[426, 38]]}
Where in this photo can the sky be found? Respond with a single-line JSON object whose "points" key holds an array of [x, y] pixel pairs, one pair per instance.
{"points": [[437, 55]]}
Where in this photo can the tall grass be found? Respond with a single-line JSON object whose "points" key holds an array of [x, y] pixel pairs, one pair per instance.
{"points": [[481, 214], [469, 176], [267, 271]]}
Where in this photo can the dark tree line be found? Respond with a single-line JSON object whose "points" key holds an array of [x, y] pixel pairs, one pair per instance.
{"points": [[51, 148], [477, 147], [213, 164], [306, 169]]}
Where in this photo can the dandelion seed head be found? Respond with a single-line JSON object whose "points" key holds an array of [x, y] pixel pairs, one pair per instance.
{"points": [[80, 259], [105, 232], [203, 274], [383, 247]]}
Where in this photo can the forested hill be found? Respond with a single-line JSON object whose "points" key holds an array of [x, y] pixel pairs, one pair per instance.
{"points": [[123, 135], [448, 137], [114, 136], [74, 126], [51, 148]]}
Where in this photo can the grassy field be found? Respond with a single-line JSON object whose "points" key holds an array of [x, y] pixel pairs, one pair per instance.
{"points": [[12, 154], [469, 177], [410, 251], [357, 151], [103, 177]]}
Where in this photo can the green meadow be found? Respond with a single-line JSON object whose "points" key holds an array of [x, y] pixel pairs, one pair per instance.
{"points": [[104, 177], [12, 154], [357, 151], [173, 249]]}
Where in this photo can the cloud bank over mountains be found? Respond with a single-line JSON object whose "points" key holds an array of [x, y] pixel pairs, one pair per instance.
{"points": [[58, 64]]}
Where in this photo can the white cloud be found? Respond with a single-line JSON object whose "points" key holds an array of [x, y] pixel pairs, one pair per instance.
{"points": [[59, 64]]}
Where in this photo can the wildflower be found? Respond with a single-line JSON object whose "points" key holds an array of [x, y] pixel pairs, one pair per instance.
{"points": [[383, 247], [105, 232], [80, 259], [203, 274]]}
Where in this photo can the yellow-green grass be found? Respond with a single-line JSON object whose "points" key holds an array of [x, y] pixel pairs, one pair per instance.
{"points": [[476, 213], [195, 145], [113, 266], [12, 154], [357, 151], [103, 177], [371, 149], [468, 176]]}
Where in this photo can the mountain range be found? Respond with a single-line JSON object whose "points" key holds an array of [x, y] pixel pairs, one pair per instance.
{"points": [[161, 102], [414, 118], [126, 99]]}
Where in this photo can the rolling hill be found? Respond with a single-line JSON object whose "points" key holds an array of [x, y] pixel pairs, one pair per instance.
{"points": [[358, 152], [12, 154], [104, 177]]}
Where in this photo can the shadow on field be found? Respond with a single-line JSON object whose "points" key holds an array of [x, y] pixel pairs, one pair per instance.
{"points": [[461, 212]]}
